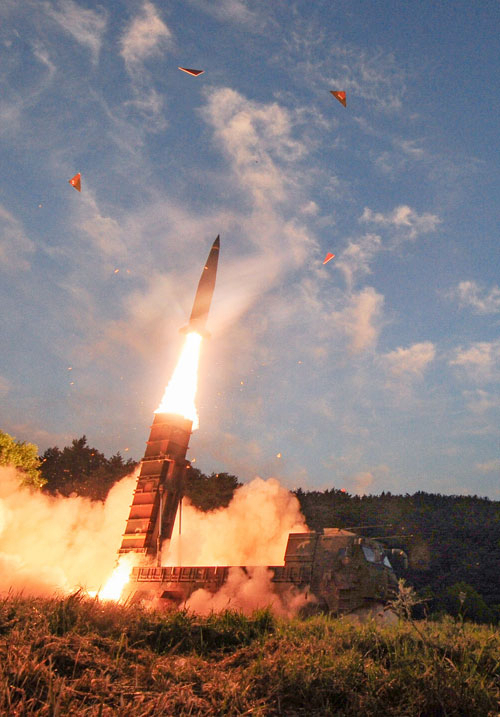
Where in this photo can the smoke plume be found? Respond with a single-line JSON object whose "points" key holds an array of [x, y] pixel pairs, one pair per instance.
{"points": [[246, 591], [252, 531], [53, 544]]}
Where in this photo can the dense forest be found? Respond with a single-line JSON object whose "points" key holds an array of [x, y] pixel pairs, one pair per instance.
{"points": [[452, 542]]}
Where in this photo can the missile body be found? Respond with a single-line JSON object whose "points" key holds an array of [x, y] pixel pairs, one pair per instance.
{"points": [[204, 293]]}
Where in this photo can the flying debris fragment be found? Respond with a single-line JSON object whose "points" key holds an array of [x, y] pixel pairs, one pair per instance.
{"points": [[76, 181], [340, 96], [328, 258], [195, 73]]}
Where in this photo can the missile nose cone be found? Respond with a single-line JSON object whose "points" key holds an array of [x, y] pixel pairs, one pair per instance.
{"points": [[204, 293]]}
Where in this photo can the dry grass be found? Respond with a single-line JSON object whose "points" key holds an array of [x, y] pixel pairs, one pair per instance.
{"points": [[76, 656]]}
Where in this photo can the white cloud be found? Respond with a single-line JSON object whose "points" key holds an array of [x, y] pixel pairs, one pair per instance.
{"points": [[14, 244], [469, 294], [409, 147], [492, 466], [360, 319], [356, 258], [228, 10], [411, 361], [480, 362], [256, 137], [310, 208], [480, 401], [376, 77], [105, 232], [144, 36], [42, 56], [403, 219], [86, 26]]}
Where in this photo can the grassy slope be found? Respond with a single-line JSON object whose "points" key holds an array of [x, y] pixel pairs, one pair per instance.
{"points": [[78, 656]]}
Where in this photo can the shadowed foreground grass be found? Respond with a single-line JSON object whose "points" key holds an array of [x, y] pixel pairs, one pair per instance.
{"points": [[77, 656]]}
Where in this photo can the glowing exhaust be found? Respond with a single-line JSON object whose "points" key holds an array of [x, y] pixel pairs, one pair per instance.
{"points": [[180, 393]]}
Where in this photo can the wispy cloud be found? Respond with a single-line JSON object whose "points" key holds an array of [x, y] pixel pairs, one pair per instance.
{"points": [[362, 482], [470, 295], [411, 361], [360, 319], [236, 11], [404, 220], [356, 257], [87, 27], [409, 147], [492, 466], [15, 246], [145, 36], [480, 401], [376, 77], [258, 139], [480, 361], [42, 55]]}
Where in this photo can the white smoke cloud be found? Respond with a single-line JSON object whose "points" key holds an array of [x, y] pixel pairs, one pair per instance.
{"points": [[50, 544], [252, 530], [247, 591]]}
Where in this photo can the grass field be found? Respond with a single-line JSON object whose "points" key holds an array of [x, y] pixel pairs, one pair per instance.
{"points": [[78, 656]]}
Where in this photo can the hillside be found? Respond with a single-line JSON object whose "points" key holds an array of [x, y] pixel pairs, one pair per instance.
{"points": [[452, 542], [79, 656]]}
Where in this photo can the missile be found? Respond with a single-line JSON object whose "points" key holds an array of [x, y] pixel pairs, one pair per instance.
{"points": [[204, 293]]}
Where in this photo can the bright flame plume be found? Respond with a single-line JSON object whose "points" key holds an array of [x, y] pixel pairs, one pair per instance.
{"points": [[181, 391], [113, 588]]}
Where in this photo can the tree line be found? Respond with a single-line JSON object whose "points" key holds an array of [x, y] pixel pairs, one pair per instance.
{"points": [[452, 541]]}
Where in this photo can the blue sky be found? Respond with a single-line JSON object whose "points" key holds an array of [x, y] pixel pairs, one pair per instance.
{"points": [[379, 371]]}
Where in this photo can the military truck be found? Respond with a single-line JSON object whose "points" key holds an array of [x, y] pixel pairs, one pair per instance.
{"points": [[336, 571]]}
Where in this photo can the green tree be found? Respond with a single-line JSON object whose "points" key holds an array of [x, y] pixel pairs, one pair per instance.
{"points": [[461, 600], [24, 457], [82, 470], [210, 492]]}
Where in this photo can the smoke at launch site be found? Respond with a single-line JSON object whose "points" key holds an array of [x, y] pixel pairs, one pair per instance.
{"points": [[55, 545], [52, 545]]}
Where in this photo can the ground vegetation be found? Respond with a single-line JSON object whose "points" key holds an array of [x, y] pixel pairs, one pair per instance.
{"points": [[76, 655]]}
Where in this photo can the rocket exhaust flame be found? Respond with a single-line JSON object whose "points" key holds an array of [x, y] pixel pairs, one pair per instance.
{"points": [[180, 393], [113, 588]]}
